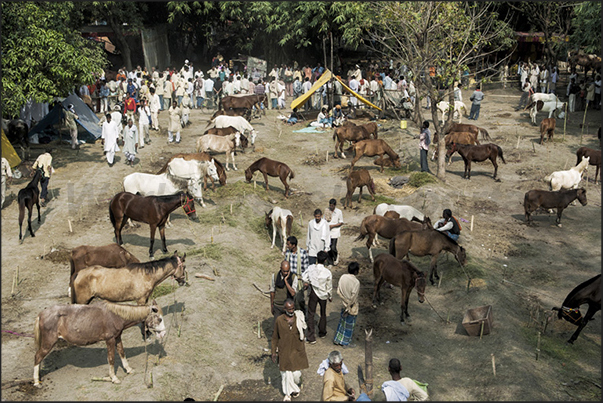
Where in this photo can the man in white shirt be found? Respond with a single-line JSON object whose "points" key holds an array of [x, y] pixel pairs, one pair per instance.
{"points": [[354, 86], [154, 106], [334, 217], [318, 238], [320, 282], [305, 88], [110, 133], [401, 389], [208, 86]]}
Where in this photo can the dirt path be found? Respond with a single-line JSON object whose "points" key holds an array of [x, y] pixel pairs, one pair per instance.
{"points": [[213, 338]]}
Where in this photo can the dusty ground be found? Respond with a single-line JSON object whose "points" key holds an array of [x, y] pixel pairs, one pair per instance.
{"points": [[213, 339]]}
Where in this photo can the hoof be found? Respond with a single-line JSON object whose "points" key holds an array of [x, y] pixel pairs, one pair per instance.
{"points": [[559, 225], [33, 235], [37, 385], [374, 306], [115, 380], [402, 322]]}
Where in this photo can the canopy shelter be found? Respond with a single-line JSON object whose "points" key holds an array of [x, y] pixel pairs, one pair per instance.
{"points": [[322, 80], [8, 152], [87, 120]]}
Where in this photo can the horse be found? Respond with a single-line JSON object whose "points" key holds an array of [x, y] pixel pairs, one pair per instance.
{"points": [[459, 138], [477, 153], [569, 179], [272, 168], [408, 212], [193, 170], [83, 325], [280, 220], [153, 210], [358, 179], [200, 157], [246, 113], [220, 144], [535, 199], [349, 133], [109, 256], [371, 148], [27, 197], [17, 132], [132, 282], [547, 127], [402, 274], [463, 127], [243, 102], [459, 109], [371, 127], [426, 242], [546, 106], [238, 122], [594, 155], [588, 292], [374, 225], [226, 131], [588, 62]]}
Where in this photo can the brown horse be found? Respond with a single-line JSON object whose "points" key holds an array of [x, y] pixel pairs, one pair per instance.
{"points": [[200, 157], [595, 158], [547, 127], [272, 168], [371, 148], [478, 153], [244, 102], [463, 127], [536, 199], [375, 224], [426, 242], [153, 210], [402, 274], [27, 197], [348, 133], [83, 325], [110, 256], [588, 292], [459, 138], [358, 179], [133, 282]]}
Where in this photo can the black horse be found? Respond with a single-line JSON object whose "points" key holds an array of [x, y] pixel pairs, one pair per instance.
{"points": [[589, 292], [27, 197], [17, 132]]}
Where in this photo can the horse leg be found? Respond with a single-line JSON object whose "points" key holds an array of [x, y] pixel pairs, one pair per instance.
{"points": [[21, 217], [403, 304], [360, 195], [273, 234], [162, 234], [29, 211], [559, 212], [122, 355], [118, 230], [265, 180], [371, 192], [495, 167], [376, 294], [468, 169], [284, 180], [589, 314], [38, 206], [369, 242], [232, 154], [111, 358], [152, 240], [47, 342], [434, 269]]}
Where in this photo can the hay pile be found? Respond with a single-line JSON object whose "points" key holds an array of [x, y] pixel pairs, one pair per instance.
{"points": [[382, 187]]}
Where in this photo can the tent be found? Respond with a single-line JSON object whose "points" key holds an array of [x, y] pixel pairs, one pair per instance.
{"points": [[8, 152], [326, 76], [87, 119]]}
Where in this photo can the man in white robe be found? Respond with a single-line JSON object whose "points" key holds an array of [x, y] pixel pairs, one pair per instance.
{"points": [[109, 136]]}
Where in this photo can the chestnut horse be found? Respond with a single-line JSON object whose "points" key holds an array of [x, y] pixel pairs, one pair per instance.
{"points": [[83, 325], [402, 274], [358, 179], [349, 133], [589, 292], [153, 210], [477, 153], [27, 197], [375, 224], [371, 148], [272, 168], [594, 155], [426, 242]]}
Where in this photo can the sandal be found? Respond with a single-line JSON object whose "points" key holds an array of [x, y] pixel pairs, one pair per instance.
{"points": [[287, 398]]}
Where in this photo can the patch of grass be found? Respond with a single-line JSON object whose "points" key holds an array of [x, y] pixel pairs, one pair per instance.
{"points": [[523, 250], [237, 189], [222, 215], [161, 290], [378, 200], [212, 251], [418, 179]]}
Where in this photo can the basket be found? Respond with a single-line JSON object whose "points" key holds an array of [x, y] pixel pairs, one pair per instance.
{"points": [[472, 322], [403, 124]]}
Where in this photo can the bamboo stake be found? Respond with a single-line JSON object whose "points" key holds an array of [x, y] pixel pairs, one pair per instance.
{"points": [[448, 317], [17, 274], [103, 379], [471, 228], [368, 361], [212, 234], [584, 119], [12, 290], [218, 394], [440, 280], [70, 228], [481, 332], [565, 122], [259, 331], [231, 208], [493, 364], [518, 138], [538, 348], [327, 159], [199, 275]]}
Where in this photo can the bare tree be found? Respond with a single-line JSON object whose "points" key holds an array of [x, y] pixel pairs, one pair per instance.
{"points": [[450, 36]]}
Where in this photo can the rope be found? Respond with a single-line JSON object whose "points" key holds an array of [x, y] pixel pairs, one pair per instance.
{"points": [[531, 289], [18, 334], [434, 309]]}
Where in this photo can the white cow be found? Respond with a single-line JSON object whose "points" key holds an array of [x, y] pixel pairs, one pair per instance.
{"points": [[459, 106], [281, 220], [546, 106], [238, 122]]}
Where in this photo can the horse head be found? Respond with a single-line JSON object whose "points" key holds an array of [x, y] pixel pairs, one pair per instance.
{"points": [[268, 219], [248, 174], [212, 170], [253, 135], [572, 315], [244, 142], [154, 322], [461, 256], [180, 272], [420, 284], [582, 196], [427, 223], [187, 201], [450, 149]]}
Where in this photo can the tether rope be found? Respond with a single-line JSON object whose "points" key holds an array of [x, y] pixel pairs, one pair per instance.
{"points": [[18, 334]]}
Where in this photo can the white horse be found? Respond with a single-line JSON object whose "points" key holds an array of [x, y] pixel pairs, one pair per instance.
{"points": [[194, 171], [459, 106], [220, 144], [569, 179], [407, 212], [238, 122], [281, 220], [546, 106], [541, 96]]}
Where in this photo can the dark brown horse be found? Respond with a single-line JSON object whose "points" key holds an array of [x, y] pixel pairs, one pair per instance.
{"points": [[243, 102], [27, 197], [371, 148], [402, 274], [133, 282], [200, 157], [375, 224], [153, 210], [477, 153], [543, 199], [83, 325], [589, 292], [426, 242], [110, 256], [273, 168], [595, 158]]}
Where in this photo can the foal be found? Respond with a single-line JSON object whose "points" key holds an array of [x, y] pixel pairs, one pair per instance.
{"points": [[273, 168], [27, 197]]}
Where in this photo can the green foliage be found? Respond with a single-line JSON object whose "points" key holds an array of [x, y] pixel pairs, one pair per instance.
{"points": [[212, 251], [161, 290], [587, 26], [43, 56], [418, 179]]}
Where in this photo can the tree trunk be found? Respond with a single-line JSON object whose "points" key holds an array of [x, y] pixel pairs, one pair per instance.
{"points": [[121, 43]]}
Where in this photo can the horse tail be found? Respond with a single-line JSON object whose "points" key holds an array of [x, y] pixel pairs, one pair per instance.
{"points": [[363, 231], [529, 106], [162, 170], [112, 216], [37, 338], [500, 154], [335, 134], [291, 174]]}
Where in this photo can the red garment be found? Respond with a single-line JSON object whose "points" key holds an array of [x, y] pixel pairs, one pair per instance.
{"points": [[129, 105]]}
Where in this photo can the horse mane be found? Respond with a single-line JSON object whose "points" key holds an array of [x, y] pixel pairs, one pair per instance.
{"points": [[151, 266], [162, 170], [128, 312], [578, 288], [389, 151], [35, 180]]}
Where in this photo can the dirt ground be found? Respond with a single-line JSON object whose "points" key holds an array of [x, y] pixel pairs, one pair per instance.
{"points": [[219, 331]]}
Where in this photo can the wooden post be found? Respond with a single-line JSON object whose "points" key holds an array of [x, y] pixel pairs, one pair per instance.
{"points": [[231, 208], [518, 138], [538, 348], [493, 364], [584, 119], [259, 332], [327, 158], [70, 228], [368, 361], [481, 331], [565, 122], [212, 234], [471, 228]]}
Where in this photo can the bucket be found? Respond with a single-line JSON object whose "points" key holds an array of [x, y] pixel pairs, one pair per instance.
{"points": [[403, 124]]}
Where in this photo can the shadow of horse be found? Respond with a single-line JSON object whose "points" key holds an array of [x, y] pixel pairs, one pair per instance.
{"points": [[140, 240], [44, 211]]}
